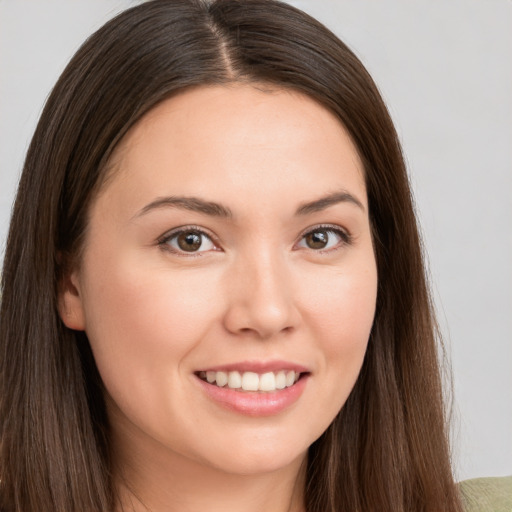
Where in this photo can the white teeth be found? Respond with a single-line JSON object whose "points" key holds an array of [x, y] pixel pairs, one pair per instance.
{"points": [[280, 380], [267, 382], [234, 380], [251, 381], [221, 378]]}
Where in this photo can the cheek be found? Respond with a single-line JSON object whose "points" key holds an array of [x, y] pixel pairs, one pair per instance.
{"points": [[341, 312], [141, 321], [342, 306]]}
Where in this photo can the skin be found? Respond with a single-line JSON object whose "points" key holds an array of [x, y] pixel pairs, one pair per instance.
{"points": [[255, 290]]}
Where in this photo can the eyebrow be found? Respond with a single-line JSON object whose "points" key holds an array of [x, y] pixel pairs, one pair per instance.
{"points": [[330, 200], [194, 204], [213, 209]]}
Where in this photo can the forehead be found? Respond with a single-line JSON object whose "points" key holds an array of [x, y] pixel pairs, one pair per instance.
{"points": [[241, 136]]}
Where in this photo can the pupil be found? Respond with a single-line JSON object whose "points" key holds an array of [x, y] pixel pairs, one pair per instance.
{"points": [[317, 239], [189, 241]]}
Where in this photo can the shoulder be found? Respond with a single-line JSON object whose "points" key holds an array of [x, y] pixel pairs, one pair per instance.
{"points": [[492, 494]]}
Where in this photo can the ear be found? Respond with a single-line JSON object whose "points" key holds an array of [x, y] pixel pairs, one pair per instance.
{"points": [[70, 302]]}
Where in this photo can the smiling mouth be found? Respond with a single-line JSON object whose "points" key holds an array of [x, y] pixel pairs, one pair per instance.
{"points": [[251, 381]]}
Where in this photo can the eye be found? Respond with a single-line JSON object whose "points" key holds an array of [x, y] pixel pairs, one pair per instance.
{"points": [[324, 238], [188, 240]]}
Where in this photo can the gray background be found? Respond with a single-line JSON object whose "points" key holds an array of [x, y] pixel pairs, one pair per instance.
{"points": [[445, 70]]}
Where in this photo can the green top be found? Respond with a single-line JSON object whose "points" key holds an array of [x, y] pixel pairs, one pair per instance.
{"points": [[492, 494]]}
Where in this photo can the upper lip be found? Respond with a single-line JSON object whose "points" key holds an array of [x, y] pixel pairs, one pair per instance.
{"points": [[257, 367]]}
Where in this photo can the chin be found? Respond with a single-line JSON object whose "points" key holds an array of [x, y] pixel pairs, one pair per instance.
{"points": [[257, 462], [259, 455]]}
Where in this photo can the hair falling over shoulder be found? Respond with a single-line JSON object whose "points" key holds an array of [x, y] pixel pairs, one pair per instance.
{"points": [[387, 449]]}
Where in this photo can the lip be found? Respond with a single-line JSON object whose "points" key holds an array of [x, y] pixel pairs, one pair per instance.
{"points": [[254, 403], [257, 367]]}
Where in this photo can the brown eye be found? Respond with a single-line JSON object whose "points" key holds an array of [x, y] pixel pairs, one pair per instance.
{"points": [[317, 239], [188, 241], [324, 238]]}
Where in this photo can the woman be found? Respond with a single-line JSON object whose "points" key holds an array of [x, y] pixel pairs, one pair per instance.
{"points": [[213, 289]]}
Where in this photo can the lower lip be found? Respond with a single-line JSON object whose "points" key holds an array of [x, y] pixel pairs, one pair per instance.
{"points": [[255, 403]]}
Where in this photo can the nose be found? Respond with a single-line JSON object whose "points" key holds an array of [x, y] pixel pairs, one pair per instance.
{"points": [[260, 298]]}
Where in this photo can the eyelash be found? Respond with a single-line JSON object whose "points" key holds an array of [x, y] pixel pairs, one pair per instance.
{"points": [[345, 236], [163, 242]]}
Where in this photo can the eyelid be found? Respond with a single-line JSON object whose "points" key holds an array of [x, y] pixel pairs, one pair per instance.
{"points": [[163, 240], [345, 235]]}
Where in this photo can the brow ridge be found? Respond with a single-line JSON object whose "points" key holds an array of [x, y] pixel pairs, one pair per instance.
{"points": [[218, 210], [330, 200], [194, 204]]}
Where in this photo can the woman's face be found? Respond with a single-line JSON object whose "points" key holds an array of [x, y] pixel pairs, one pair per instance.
{"points": [[232, 242]]}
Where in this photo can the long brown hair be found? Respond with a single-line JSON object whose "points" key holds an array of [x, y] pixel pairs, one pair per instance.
{"points": [[387, 448]]}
